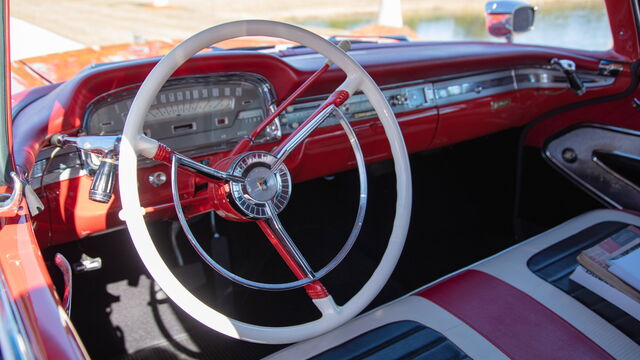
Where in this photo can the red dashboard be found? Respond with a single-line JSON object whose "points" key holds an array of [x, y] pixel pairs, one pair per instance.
{"points": [[467, 90]]}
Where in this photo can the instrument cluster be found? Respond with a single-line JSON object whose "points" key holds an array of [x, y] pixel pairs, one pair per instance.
{"points": [[193, 115]]}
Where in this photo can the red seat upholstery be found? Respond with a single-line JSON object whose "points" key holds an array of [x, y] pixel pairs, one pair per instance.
{"points": [[513, 321]]}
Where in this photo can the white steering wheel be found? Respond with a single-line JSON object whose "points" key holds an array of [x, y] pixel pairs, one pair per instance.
{"points": [[134, 143]]}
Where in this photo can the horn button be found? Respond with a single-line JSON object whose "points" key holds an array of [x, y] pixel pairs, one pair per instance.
{"points": [[261, 184]]}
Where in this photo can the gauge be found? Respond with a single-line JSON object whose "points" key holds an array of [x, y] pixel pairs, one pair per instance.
{"points": [[201, 112], [189, 107]]}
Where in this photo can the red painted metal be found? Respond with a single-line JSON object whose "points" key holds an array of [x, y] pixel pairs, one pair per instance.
{"points": [[315, 289], [24, 78], [163, 154], [624, 30], [620, 112], [48, 330], [70, 215], [220, 195], [517, 324]]}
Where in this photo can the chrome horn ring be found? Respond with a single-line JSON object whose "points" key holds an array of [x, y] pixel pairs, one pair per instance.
{"points": [[355, 231]]}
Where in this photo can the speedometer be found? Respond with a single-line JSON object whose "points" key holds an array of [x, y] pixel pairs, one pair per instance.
{"points": [[189, 107], [202, 113]]}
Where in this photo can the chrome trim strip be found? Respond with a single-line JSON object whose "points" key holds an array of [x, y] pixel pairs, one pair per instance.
{"points": [[412, 96], [453, 90], [588, 171]]}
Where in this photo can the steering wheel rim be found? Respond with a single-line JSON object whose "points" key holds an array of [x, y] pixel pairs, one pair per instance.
{"points": [[134, 143]]}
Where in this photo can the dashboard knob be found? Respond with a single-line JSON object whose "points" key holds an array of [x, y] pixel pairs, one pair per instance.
{"points": [[101, 189], [157, 178]]}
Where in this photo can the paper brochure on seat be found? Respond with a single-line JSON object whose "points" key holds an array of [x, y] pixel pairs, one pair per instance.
{"points": [[617, 247], [627, 267], [592, 282]]}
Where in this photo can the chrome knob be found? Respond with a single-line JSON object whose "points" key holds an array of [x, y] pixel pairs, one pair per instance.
{"points": [[157, 178]]}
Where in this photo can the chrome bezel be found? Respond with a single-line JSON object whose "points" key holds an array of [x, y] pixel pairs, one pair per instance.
{"points": [[264, 87], [239, 194]]}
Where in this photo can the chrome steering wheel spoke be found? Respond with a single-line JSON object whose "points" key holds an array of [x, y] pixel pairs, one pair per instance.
{"points": [[285, 246], [296, 138], [155, 150], [204, 171], [328, 107]]}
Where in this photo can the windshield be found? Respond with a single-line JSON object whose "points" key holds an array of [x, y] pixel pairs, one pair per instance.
{"points": [[41, 27]]}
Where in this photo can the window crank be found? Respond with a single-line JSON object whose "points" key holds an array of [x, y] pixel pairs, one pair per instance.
{"points": [[568, 67]]}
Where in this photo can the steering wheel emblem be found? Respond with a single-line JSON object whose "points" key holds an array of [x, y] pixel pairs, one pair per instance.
{"points": [[261, 185]]}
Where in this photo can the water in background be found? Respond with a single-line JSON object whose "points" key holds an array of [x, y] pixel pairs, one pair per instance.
{"points": [[578, 28]]}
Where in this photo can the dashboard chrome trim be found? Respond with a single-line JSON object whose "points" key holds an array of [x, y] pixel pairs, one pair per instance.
{"points": [[445, 91]]}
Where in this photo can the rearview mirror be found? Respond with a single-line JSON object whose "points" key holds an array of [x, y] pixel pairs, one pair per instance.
{"points": [[503, 18]]}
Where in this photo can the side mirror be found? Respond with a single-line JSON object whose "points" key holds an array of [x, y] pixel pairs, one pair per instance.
{"points": [[503, 18]]}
